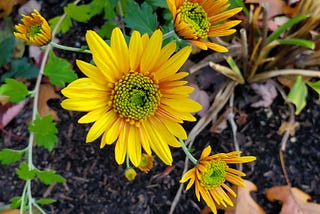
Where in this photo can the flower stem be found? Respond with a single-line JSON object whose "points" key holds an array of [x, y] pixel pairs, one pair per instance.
{"points": [[127, 161], [188, 154], [67, 48], [168, 35]]}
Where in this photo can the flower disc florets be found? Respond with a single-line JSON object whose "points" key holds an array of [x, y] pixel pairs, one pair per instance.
{"points": [[135, 96], [214, 175], [196, 17]]}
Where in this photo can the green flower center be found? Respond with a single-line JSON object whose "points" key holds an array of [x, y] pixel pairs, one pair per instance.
{"points": [[197, 19], [135, 96], [34, 30], [214, 175]]}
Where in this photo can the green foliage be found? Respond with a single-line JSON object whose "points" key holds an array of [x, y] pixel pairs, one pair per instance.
{"points": [[8, 156], [157, 3], [45, 131], [141, 18], [299, 42], [315, 86], [24, 172], [275, 35], [59, 71], [16, 91], [45, 201], [15, 202], [6, 50], [65, 25], [80, 13], [49, 177], [21, 68], [298, 94]]}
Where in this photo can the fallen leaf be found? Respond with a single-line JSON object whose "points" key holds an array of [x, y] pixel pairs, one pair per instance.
{"points": [[201, 97], [294, 201], [274, 7], [46, 93], [10, 211], [288, 126], [243, 203], [10, 111], [7, 5], [267, 91], [4, 99]]}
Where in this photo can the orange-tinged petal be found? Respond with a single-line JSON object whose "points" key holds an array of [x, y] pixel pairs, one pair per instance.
{"points": [[206, 152]]}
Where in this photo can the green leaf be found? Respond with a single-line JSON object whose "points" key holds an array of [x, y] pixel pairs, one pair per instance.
{"points": [[24, 173], [109, 11], [65, 25], [315, 86], [275, 35], [21, 68], [96, 7], [8, 28], [16, 91], [6, 50], [45, 131], [45, 201], [106, 30], [80, 13], [15, 202], [157, 3], [140, 18], [59, 71], [8, 156], [298, 42], [50, 177], [298, 94]]}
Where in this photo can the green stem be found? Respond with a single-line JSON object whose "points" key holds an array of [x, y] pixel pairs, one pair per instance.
{"points": [[168, 35], [188, 154], [127, 161], [67, 48], [39, 208]]}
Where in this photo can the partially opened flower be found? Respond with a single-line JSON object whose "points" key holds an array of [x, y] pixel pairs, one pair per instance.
{"points": [[146, 163], [196, 20], [133, 94], [34, 29], [210, 175]]}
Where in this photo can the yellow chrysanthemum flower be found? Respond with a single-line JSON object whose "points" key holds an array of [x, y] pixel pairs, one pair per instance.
{"points": [[210, 174], [146, 163], [133, 94], [196, 20], [34, 29]]}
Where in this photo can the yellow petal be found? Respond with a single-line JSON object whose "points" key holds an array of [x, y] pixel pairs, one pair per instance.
{"points": [[83, 105], [121, 145], [178, 114], [120, 50], [134, 146], [181, 90], [101, 125], [145, 140], [135, 50], [165, 53], [175, 128], [188, 104], [206, 152], [174, 63], [151, 53], [113, 133], [92, 72], [92, 115]]}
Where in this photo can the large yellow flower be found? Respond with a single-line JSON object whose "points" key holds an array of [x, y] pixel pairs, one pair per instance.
{"points": [[133, 94], [196, 20], [34, 29], [210, 174]]}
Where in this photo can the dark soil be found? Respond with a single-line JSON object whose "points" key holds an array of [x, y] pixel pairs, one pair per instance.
{"points": [[96, 184]]}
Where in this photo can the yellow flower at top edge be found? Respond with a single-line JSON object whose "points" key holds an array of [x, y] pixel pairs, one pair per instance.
{"points": [[133, 94], [210, 174], [34, 29], [196, 20]]}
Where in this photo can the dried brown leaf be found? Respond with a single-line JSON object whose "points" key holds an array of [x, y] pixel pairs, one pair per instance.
{"points": [[288, 126], [46, 93], [294, 201]]}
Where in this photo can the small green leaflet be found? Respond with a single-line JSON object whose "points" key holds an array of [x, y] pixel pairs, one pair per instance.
{"points": [[315, 86], [140, 18], [298, 94], [16, 91], [8, 156], [21, 68], [66, 24], [6, 50], [45, 131], [80, 13], [15, 202], [50, 177], [59, 71], [45, 201], [24, 173]]}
